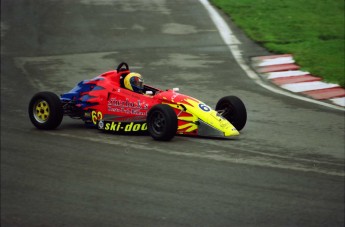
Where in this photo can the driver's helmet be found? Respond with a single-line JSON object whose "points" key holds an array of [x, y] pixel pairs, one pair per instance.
{"points": [[134, 82]]}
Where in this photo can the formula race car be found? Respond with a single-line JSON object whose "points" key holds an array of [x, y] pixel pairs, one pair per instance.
{"points": [[118, 101]]}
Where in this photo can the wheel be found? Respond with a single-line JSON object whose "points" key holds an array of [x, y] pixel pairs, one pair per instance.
{"points": [[233, 110], [45, 110], [162, 122]]}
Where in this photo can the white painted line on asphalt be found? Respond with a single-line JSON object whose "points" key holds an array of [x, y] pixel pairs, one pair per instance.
{"points": [[339, 101], [233, 45], [276, 61], [275, 75], [308, 86], [223, 28]]}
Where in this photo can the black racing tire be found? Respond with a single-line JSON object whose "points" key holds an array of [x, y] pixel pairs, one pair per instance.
{"points": [[162, 122], [233, 110], [45, 110]]}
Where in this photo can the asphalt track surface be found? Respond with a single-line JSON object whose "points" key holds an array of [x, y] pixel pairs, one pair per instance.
{"points": [[285, 169]]}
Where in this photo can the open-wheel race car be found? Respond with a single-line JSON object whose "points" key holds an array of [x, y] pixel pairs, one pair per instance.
{"points": [[118, 101]]}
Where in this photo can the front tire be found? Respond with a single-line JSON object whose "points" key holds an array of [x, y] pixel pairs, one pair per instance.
{"points": [[45, 110], [233, 110], [162, 122]]}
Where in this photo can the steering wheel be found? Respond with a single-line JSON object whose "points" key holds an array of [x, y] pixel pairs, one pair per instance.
{"points": [[120, 67]]}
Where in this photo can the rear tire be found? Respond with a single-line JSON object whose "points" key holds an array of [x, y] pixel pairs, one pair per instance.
{"points": [[162, 122], [233, 110], [45, 110]]}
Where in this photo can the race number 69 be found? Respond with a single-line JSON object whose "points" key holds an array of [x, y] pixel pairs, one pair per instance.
{"points": [[96, 116]]}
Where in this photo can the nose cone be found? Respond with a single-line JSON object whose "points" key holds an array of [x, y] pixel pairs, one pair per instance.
{"points": [[232, 132], [217, 128]]}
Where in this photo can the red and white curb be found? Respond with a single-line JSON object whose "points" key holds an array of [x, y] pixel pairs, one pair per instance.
{"points": [[282, 71]]}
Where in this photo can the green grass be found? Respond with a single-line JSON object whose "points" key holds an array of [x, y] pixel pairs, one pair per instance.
{"points": [[311, 30]]}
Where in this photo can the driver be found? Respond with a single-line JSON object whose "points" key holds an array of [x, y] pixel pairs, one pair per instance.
{"points": [[134, 82]]}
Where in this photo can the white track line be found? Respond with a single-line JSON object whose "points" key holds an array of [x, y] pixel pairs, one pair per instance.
{"points": [[225, 31], [233, 45]]}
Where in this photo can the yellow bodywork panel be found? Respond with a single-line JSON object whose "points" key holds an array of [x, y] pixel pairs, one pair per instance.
{"points": [[201, 111]]}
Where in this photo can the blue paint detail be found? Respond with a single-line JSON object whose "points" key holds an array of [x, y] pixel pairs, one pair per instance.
{"points": [[97, 88], [74, 94], [86, 98], [82, 87], [204, 107]]}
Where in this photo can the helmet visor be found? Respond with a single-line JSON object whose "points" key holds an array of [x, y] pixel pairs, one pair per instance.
{"points": [[137, 83]]}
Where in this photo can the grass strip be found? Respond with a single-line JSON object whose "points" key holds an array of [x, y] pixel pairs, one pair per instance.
{"points": [[313, 31]]}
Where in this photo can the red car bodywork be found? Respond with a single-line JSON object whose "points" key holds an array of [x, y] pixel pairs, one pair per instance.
{"points": [[103, 98]]}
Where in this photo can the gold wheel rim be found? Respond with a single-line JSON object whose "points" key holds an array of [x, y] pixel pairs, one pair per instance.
{"points": [[41, 111]]}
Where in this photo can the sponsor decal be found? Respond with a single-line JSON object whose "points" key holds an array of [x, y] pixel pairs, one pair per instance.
{"points": [[122, 126], [128, 107], [101, 124]]}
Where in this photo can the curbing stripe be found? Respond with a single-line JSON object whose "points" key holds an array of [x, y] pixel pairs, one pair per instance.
{"points": [[261, 58], [289, 73], [308, 86], [276, 61], [326, 93], [276, 68], [295, 79], [280, 70], [339, 101]]}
